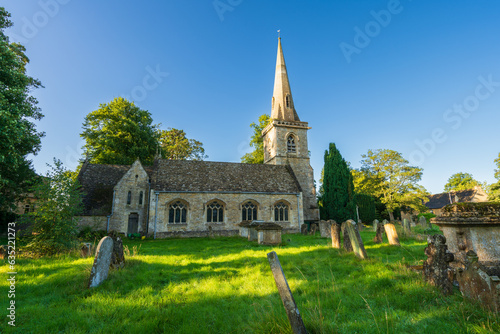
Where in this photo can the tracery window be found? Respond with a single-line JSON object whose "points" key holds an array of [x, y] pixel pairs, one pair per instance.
{"points": [[281, 212], [129, 198], [290, 141], [215, 212], [177, 213], [249, 211]]}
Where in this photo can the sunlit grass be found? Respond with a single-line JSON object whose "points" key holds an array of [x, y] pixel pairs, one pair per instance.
{"points": [[224, 285]]}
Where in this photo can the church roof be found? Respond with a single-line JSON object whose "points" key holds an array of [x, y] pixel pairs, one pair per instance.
{"points": [[440, 200], [208, 176]]}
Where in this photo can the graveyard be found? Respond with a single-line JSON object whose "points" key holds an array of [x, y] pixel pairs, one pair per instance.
{"points": [[225, 285]]}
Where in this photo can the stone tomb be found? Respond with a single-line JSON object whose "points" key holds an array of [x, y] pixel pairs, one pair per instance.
{"points": [[102, 261], [268, 234], [392, 234], [252, 232], [355, 238], [244, 228]]}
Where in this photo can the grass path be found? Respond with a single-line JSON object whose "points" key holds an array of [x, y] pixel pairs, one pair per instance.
{"points": [[225, 285]]}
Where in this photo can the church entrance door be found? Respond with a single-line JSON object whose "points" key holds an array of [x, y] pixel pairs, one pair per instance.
{"points": [[133, 223]]}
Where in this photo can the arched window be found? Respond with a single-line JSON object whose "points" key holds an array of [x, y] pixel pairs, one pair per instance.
{"points": [[281, 212], [129, 197], [215, 212], [249, 211], [141, 195], [177, 213], [290, 144], [287, 101]]}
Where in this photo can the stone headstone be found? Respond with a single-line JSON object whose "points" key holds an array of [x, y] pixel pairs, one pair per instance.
{"points": [[436, 268], [357, 244], [406, 227], [392, 234], [303, 229], [476, 284], [423, 222], [360, 225], [335, 233], [117, 258], [379, 233], [375, 224], [346, 242], [85, 249], [324, 228], [314, 229], [102, 261]]}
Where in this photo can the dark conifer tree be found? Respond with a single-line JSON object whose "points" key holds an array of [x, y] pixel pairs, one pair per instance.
{"points": [[338, 189]]}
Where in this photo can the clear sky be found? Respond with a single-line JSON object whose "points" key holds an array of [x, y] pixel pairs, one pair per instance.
{"points": [[420, 77]]}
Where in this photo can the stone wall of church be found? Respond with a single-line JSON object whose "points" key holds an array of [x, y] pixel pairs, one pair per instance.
{"points": [[134, 181], [197, 223], [95, 222]]}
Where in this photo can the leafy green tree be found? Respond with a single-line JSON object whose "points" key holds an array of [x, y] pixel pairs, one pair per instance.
{"points": [[119, 132], [175, 145], [257, 155], [494, 189], [337, 197], [396, 181], [53, 225], [18, 109], [460, 181]]}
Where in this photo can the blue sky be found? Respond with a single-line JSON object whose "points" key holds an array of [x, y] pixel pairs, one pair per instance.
{"points": [[418, 77]]}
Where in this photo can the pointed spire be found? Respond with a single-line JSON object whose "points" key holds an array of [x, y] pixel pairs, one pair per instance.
{"points": [[283, 108]]}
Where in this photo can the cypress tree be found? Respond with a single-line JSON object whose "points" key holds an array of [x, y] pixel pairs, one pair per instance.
{"points": [[338, 189]]}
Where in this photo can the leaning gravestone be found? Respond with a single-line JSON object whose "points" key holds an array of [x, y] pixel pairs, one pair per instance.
{"points": [[422, 222], [357, 244], [436, 267], [345, 238], [392, 234], [102, 262], [335, 233], [379, 234]]}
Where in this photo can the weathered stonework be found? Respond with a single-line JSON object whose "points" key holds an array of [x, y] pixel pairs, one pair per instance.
{"points": [[269, 234], [436, 268]]}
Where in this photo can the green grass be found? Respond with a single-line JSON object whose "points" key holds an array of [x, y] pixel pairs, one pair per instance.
{"points": [[224, 285]]}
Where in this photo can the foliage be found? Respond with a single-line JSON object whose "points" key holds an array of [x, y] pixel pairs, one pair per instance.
{"points": [[53, 224], [461, 181], [18, 109], [175, 145], [366, 207], [337, 193], [119, 132], [225, 285], [389, 177], [428, 216], [87, 233], [494, 189], [257, 142]]}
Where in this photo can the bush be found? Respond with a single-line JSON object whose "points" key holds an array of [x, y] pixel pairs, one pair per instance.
{"points": [[89, 234]]}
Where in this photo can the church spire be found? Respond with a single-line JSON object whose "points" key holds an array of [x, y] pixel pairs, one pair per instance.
{"points": [[283, 108]]}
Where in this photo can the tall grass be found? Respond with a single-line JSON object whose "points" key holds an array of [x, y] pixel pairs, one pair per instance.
{"points": [[224, 285]]}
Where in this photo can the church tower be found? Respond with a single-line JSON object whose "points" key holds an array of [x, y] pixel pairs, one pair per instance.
{"points": [[285, 138]]}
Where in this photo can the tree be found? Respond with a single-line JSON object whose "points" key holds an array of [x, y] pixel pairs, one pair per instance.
{"points": [[494, 193], [257, 155], [337, 190], [460, 181], [18, 109], [119, 132], [395, 182], [53, 224], [175, 145]]}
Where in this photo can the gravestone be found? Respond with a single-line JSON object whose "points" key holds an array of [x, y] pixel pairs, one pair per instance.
{"points": [[335, 233], [392, 234], [406, 227], [422, 222], [314, 229], [85, 249], [379, 233], [117, 258], [303, 229], [375, 224], [360, 225], [476, 284], [324, 228], [292, 311], [102, 262], [357, 244], [253, 235], [436, 268], [346, 242]]}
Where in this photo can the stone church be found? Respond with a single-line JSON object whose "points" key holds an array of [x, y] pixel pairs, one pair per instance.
{"points": [[195, 198]]}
